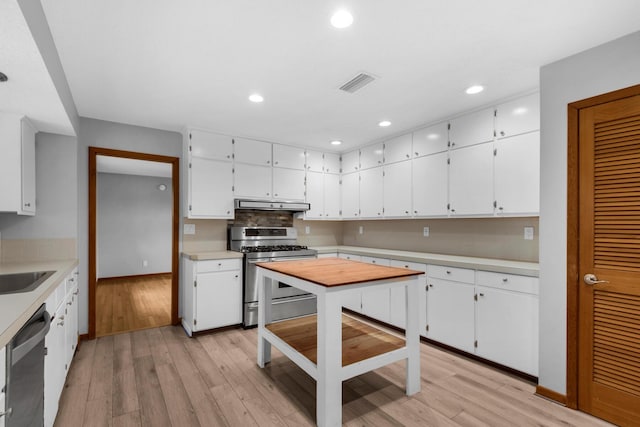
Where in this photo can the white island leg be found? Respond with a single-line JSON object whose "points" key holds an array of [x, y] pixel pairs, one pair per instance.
{"points": [[412, 336], [329, 381], [264, 317]]}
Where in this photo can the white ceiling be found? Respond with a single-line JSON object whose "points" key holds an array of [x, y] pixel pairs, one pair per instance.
{"points": [[124, 166], [168, 64], [29, 90]]}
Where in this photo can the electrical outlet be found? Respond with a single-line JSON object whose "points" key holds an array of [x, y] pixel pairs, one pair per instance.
{"points": [[307, 229], [528, 233], [189, 229], [361, 230], [425, 231]]}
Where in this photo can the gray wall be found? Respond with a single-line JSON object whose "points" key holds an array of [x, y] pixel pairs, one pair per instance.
{"points": [[56, 193], [614, 65], [98, 133], [134, 225]]}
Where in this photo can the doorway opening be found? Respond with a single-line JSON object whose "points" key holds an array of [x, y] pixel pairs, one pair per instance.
{"points": [[133, 241]]}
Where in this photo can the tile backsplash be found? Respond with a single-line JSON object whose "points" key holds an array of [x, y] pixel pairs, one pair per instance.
{"points": [[257, 218]]}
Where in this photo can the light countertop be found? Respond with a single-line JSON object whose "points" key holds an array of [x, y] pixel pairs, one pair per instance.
{"points": [[203, 256], [16, 309], [498, 265]]}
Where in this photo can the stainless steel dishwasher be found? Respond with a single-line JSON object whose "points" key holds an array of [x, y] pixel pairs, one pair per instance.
{"points": [[25, 373]]}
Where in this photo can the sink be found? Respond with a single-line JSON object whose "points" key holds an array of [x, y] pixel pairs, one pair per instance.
{"points": [[22, 282]]}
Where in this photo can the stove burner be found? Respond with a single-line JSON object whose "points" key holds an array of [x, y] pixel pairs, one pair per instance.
{"points": [[272, 248]]}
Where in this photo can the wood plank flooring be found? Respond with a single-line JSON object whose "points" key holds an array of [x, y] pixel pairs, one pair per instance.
{"points": [[160, 377], [132, 303]]}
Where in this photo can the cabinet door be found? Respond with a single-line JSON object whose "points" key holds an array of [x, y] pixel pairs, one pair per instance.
{"points": [[315, 195], [331, 195], [349, 195], [331, 163], [398, 300], [314, 161], [352, 301], [371, 197], [252, 151], [54, 365], [252, 181], [450, 313], [351, 161], [70, 328], [28, 168], [375, 303], [430, 185], [285, 156], [210, 145], [431, 140], [518, 116], [210, 189], [517, 174], [218, 300], [397, 189], [288, 184], [472, 129], [398, 149], [513, 343], [3, 362], [371, 156], [471, 180]]}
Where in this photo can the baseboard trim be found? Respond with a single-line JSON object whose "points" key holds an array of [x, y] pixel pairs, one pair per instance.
{"points": [[135, 276], [551, 395]]}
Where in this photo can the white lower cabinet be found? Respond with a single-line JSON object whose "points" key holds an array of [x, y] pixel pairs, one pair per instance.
{"points": [[398, 299], [375, 303], [60, 343], [352, 301], [212, 294], [450, 313]]}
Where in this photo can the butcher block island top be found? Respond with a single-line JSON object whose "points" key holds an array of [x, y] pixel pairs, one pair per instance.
{"points": [[337, 271]]}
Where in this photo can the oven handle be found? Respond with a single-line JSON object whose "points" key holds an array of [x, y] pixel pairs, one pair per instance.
{"points": [[254, 305]]}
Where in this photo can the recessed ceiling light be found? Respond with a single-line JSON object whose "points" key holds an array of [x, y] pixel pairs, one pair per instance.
{"points": [[472, 90], [341, 19], [384, 123], [256, 97], [336, 142]]}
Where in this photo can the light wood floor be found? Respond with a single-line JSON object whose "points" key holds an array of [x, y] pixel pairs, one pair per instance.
{"points": [[160, 377], [133, 303]]}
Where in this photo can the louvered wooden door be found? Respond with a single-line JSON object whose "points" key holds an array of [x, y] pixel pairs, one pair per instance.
{"points": [[609, 312]]}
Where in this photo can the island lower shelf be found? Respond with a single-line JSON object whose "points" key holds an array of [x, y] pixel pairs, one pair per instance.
{"points": [[360, 341]]}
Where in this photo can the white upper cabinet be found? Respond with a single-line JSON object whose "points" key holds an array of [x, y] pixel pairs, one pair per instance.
{"points": [[430, 185], [397, 190], [398, 149], [209, 145], [314, 160], [252, 181], [371, 197], [472, 129], [331, 162], [351, 161], [349, 195], [431, 140], [17, 165], [210, 189], [285, 156], [519, 116], [517, 174], [252, 151], [331, 195], [288, 184], [314, 195], [371, 156], [471, 180]]}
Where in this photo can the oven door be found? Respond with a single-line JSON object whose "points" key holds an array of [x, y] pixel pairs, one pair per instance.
{"points": [[278, 289]]}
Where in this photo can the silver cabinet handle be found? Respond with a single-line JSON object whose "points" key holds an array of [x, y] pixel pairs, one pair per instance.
{"points": [[591, 279]]}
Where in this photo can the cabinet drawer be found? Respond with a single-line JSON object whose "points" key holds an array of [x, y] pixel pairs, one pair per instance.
{"points": [[463, 275], [406, 264], [374, 260], [510, 282], [217, 265]]}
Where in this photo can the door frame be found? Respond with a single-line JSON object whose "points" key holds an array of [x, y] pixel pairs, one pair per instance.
{"points": [[94, 152], [573, 231]]}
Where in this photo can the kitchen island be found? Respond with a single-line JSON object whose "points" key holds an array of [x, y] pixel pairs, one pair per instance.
{"points": [[331, 347]]}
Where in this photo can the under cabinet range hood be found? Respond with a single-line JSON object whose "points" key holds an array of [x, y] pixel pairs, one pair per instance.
{"points": [[269, 205]]}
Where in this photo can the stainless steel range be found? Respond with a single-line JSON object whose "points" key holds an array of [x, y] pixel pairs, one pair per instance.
{"points": [[271, 244]]}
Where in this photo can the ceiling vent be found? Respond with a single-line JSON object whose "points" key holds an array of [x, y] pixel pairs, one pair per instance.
{"points": [[357, 83]]}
